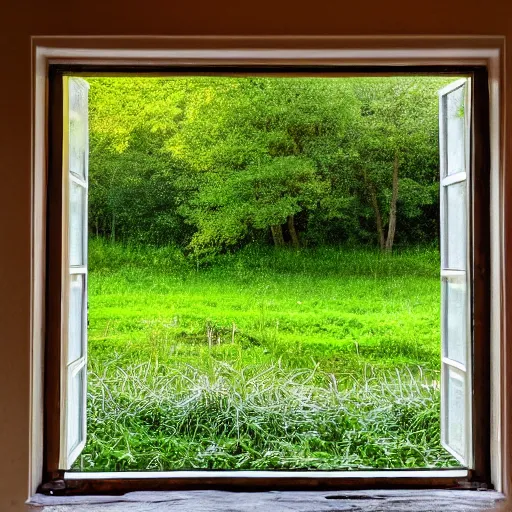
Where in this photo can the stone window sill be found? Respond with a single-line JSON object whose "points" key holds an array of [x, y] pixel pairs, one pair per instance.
{"points": [[289, 501]]}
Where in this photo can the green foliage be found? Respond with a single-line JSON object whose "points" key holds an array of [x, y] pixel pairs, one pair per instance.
{"points": [[133, 192], [257, 418], [397, 126], [259, 146], [267, 358], [215, 162], [227, 206], [208, 350]]}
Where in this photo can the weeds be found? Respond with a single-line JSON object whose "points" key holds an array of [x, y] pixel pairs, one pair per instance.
{"points": [[263, 359], [259, 418]]}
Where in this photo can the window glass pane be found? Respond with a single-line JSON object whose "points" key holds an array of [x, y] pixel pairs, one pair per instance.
{"points": [[76, 224], [455, 131], [77, 128], [76, 302], [455, 410], [75, 408], [455, 329], [455, 226]]}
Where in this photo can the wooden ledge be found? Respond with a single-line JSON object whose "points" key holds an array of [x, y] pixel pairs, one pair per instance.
{"points": [[307, 501]]}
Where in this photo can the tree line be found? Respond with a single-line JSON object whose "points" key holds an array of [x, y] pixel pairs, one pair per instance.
{"points": [[214, 163]]}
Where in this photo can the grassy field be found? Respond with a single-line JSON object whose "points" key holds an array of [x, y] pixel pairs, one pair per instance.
{"points": [[266, 359]]}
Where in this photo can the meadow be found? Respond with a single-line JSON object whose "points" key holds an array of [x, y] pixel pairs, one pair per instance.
{"points": [[266, 358]]}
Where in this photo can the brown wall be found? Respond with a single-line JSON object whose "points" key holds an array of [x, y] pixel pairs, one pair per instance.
{"points": [[20, 19]]}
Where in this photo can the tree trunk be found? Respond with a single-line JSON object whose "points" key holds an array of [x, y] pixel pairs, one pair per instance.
{"points": [[277, 235], [113, 230], [293, 232], [392, 207], [376, 209]]}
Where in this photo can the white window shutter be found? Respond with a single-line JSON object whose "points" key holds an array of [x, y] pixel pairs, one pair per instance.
{"points": [[454, 147], [74, 277]]}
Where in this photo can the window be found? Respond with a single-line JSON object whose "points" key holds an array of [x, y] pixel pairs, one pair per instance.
{"points": [[75, 178], [456, 323], [464, 387]]}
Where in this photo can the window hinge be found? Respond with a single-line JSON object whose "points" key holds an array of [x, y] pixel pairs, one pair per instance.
{"points": [[56, 487]]}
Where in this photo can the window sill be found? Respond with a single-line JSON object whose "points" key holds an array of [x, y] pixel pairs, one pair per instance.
{"points": [[310, 501]]}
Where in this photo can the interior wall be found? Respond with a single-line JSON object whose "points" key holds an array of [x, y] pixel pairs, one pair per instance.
{"points": [[20, 20]]}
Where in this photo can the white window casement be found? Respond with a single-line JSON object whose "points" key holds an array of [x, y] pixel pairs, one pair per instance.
{"points": [[471, 238], [75, 155], [455, 167]]}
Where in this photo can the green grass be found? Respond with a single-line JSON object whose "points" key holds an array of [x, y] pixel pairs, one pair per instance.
{"points": [[265, 359]]}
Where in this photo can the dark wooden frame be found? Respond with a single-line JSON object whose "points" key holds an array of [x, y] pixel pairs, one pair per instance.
{"points": [[53, 478], [52, 348], [480, 243]]}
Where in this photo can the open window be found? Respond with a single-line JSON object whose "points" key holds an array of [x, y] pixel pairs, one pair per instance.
{"points": [[458, 166], [454, 130], [74, 264]]}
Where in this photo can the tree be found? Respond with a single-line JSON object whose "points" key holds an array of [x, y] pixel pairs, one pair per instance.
{"points": [[396, 148], [133, 181], [263, 150], [264, 196]]}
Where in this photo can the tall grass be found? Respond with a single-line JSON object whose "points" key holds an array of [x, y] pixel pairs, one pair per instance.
{"points": [[325, 261], [107, 256], [325, 358], [267, 417]]}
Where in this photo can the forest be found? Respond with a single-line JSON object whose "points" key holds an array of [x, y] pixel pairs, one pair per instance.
{"points": [[211, 164], [263, 273]]}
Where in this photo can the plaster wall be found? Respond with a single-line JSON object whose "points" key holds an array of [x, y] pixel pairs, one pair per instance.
{"points": [[19, 20]]}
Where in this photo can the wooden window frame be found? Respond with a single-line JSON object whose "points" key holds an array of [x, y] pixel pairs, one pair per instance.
{"points": [[483, 71]]}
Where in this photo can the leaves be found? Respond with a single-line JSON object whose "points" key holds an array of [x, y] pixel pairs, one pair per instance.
{"points": [[210, 162]]}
